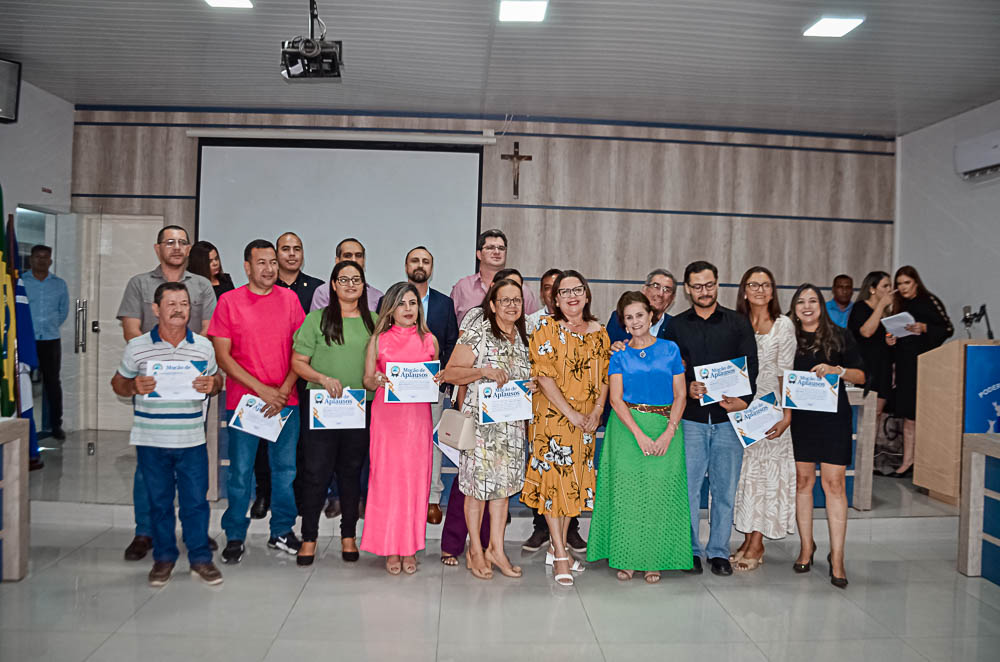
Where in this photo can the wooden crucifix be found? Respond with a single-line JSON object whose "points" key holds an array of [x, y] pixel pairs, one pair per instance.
{"points": [[515, 160]]}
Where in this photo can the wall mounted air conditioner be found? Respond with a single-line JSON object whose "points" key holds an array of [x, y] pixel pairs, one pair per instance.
{"points": [[978, 157]]}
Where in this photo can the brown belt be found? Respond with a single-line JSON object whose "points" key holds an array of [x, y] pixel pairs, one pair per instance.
{"points": [[662, 410]]}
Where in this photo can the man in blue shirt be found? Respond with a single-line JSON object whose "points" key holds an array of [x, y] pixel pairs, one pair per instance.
{"points": [[839, 307], [48, 299]]}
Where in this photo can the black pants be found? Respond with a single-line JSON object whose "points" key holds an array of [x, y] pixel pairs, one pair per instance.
{"points": [[262, 471], [542, 525], [49, 362], [326, 452]]}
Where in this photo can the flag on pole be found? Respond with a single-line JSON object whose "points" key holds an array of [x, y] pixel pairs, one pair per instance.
{"points": [[8, 340]]}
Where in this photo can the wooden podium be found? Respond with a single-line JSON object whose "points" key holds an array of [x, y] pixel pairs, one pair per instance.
{"points": [[937, 462]]}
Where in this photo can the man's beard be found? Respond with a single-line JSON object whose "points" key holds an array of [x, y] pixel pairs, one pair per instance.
{"points": [[698, 304], [419, 276]]}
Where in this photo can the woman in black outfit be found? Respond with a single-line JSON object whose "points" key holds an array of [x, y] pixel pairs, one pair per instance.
{"points": [[822, 438], [865, 322], [204, 261], [931, 328]]}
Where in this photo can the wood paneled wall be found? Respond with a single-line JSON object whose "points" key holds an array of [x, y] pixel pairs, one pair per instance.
{"points": [[611, 200]]}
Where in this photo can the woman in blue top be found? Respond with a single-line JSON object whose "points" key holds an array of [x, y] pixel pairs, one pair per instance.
{"points": [[641, 516]]}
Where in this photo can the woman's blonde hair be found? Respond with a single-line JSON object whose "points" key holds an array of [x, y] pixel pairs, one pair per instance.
{"points": [[391, 300]]}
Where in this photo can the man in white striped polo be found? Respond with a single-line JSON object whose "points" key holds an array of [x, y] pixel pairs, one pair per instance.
{"points": [[168, 431]]}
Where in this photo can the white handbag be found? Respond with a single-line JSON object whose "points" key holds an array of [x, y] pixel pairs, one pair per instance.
{"points": [[458, 430]]}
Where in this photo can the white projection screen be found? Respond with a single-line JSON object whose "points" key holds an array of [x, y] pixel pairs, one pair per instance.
{"points": [[390, 196]]}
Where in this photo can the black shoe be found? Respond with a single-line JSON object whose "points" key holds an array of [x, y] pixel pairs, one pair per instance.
{"points": [[696, 568], [803, 568], [304, 560], [287, 543], [259, 508], [138, 548], [234, 551], [538, 538], [332, 508], [575, 541], [905, 474], [59, 434], [839, 582], [212, 545], [35, 463], [721, 567]]}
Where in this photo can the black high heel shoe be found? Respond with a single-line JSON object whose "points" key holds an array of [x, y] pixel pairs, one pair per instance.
{"points": [[805, 567], [839, 582]]}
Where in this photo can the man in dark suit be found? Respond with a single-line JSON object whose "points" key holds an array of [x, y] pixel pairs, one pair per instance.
{"points": [[439, 311]]}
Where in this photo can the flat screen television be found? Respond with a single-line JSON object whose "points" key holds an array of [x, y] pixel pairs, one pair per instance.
{"points": [[10, 89]]}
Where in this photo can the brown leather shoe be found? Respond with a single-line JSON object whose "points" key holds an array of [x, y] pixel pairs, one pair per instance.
{"points": [[332, 508], [160, 574], [138, 548], [206, 572], [434, 515]]}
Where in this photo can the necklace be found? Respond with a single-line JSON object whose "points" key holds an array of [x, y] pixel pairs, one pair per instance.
{"points": [[642, 350]]}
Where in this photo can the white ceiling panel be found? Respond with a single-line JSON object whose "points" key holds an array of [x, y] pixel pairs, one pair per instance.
{"points": [[720, 62]]}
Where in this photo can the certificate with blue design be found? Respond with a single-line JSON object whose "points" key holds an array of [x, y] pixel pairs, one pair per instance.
{"points": [[249, 417], [752, 423], [806, 390], [510, 402], [175, 379], [412, 382], [729, 378], [344, 413]]}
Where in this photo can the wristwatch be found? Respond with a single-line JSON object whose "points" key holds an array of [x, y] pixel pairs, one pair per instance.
{"points": [[843, 371]]}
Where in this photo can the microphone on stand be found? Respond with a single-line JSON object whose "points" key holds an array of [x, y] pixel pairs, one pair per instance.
{"points": [[969, 318]]}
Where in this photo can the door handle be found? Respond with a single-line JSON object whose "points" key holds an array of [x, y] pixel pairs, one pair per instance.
{"points": [[80, 327], [95, 326]]}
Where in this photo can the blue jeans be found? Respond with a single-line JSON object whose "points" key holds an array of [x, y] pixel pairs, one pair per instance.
{"points": [[281, 458], [184, 471], [715, 448], [140, 503]]}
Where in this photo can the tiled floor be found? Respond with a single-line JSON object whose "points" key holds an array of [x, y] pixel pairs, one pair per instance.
{"points": [[83, 602]]}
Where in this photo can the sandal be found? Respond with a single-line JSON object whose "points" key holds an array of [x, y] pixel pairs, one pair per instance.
{"points": [[550, 557], [625, 575], [563, 578], [449, 560], [651, 576], [393, 567], [511, 570], [410, 567], [747, 564], [735, 558]]}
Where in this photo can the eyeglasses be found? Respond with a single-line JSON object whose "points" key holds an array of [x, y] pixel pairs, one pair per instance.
{"points": [[577, 291], [349, 280], [757, 287], [173, 243], [707, 287], [499, 248], [666, 289], [510, 301]]}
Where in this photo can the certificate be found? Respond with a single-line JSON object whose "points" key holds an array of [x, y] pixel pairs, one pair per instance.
{"points": [[344, 413], [249, 417], [412, 382], [896, 324], [175, 379], [805, 390], [723, 378], [510, 402], [752, 423]]}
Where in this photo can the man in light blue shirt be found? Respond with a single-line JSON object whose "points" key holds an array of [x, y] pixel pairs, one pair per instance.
{"points": [[839, 307], [48, 299]]}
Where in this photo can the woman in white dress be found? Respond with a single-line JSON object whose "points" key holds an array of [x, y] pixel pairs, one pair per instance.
{"points": [[765, 497]]}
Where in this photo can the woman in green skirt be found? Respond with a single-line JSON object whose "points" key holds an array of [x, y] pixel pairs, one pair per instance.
{"points": [[641, 517]]}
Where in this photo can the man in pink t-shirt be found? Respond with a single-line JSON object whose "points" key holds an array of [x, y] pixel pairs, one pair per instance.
{"points": [[491, 251], [252, 331]]}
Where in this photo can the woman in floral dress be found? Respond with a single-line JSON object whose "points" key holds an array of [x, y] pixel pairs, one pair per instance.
{"points": [[493, 350], [569, 357]]}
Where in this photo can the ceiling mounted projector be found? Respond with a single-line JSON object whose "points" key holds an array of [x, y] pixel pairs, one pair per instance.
{"points": [[311, 59]]}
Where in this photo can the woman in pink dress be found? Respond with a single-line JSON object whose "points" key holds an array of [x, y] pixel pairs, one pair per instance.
{"points": [[400, 454]]}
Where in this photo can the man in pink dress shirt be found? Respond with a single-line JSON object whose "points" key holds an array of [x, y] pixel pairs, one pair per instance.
{"points": [[491, 252], [347, 249]]}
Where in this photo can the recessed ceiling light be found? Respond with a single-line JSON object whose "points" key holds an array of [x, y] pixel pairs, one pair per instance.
{"points": [[523, 10], [230, 4], [833, 27]]}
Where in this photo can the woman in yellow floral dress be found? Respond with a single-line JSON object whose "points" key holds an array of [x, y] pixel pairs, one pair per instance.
{"points": [[569, 356]]}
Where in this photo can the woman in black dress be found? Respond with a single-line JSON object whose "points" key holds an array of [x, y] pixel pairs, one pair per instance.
{"points": [[865, 322], [822, 438], [931, 328], [204, 261]]}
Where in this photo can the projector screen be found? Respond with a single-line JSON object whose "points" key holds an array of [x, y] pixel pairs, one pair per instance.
{"points": [[391, 197]]}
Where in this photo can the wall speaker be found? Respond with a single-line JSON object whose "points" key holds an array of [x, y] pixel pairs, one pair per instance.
{"points": [[10, 89]]}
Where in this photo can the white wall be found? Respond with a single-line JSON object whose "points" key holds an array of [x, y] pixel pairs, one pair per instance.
{"points": [[36, 152], [947, 228]]}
